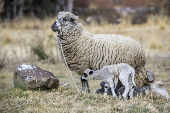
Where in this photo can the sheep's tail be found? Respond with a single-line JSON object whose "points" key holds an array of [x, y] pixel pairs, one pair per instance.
{"points": [[133, 76]]}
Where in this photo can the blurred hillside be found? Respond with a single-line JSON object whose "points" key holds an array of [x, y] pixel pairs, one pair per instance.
{"points": [[10, 9]]}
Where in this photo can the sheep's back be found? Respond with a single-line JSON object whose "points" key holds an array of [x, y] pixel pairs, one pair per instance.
{"points": [[110, 49]]}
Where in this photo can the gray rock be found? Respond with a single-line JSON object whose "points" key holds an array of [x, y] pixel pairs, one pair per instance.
{"points": [[31, 77], [65, 85], [151, 76]]}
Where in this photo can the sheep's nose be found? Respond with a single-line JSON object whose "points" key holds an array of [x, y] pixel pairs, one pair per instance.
{"points": [[85, 75], [54, 27]]}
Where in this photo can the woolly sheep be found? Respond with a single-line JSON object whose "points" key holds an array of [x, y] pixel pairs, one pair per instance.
{"points": [[84, 50], [124, 72]]}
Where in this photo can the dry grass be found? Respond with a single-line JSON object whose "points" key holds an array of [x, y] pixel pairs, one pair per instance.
{"points": [[18, 38]]}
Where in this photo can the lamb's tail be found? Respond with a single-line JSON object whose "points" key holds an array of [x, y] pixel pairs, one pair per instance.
{"points": [[133, 76]]}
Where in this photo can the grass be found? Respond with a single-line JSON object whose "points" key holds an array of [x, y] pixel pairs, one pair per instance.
{"points": [[18, 38]]}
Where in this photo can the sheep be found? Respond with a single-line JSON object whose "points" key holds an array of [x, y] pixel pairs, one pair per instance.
{"points": [[83, 50], [122, 71]]}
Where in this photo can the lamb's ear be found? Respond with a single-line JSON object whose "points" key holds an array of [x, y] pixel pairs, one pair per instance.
{"points": [[91, 72]]}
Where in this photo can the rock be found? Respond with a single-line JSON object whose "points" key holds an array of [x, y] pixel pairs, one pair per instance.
{"points": [[31, 77], [65, 85], [151, 76]]}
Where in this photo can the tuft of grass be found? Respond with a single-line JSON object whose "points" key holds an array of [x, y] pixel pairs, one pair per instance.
{"points": [[153, 45], [39, 51], [160, 47], [3, 58], [162, 27]]}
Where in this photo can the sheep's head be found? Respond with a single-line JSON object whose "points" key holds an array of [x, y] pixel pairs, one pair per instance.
{"points": [[87, 75], [65, 20]]}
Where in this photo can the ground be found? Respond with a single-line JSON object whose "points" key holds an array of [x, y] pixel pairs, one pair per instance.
{"points": [[18, 38]]}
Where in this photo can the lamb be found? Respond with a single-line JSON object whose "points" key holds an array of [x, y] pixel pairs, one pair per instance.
{"points": [[83, 50], [156, 87], [136, 90], [124, 72]]}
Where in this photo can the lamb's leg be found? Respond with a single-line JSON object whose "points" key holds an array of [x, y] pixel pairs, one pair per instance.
{"points": [[112, 86], [131, 91], [106, 87], [126, 91], [125, 82]]}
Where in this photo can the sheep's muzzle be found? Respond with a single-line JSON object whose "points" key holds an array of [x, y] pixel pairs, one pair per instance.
{"points": [[54, 27]]}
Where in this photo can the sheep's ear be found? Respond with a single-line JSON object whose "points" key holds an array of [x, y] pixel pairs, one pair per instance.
{"points": [[91, 72], [75, 18]]}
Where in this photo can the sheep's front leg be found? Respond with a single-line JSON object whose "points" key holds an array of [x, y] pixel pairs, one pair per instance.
{"points": [[85, 85], [112, 86]]}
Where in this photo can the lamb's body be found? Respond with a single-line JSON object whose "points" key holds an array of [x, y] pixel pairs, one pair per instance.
{"points": [[124, 72], [83, 50]]}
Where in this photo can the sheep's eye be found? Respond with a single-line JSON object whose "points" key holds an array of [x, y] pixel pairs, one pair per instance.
{"points": [[91, 72], [64, 19], [72, 20], [85, 75]]}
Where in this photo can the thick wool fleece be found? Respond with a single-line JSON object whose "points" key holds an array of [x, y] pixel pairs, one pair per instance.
{"points": [[83, 50]]}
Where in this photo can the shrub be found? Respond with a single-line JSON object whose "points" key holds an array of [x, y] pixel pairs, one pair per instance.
{"points": [[2, 60], [39, 51]]}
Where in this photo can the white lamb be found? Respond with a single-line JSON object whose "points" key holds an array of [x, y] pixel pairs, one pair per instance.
{"points": [[124, 72]]}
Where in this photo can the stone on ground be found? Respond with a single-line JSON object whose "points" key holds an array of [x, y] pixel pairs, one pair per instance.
{"points": [[65, 85], [31, 77]]}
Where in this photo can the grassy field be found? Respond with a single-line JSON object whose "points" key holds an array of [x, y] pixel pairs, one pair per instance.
{"points": [[18, 38]]}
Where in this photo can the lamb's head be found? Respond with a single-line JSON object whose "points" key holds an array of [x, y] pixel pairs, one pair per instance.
{"points": [[87, 75], [64, 22]]}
